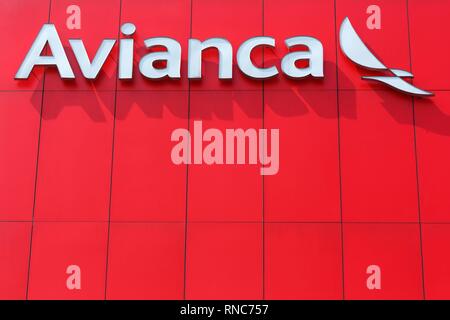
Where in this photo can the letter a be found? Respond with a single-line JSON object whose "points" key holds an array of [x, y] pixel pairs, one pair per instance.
{"points": [[74, 279], [181, 152], [48, 34], [74, 20], [374, 280], [172, 57], [314, 56], [374, 20]]}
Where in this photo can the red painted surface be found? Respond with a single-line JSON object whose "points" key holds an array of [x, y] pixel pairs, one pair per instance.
{"points": [[86, 177]]}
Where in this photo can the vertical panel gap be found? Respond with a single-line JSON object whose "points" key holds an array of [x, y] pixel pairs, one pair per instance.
{"points": [[416, 155], [339, 148], [37, 164], [112, 158]]}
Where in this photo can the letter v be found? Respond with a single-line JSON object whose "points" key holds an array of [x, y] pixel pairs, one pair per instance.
{"points": [[91, 70]]}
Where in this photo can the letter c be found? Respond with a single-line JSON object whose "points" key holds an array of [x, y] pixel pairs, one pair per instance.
{"points": [[245, 62]]}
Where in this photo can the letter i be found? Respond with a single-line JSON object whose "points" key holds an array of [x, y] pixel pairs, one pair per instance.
{"points": [[126, 52]]}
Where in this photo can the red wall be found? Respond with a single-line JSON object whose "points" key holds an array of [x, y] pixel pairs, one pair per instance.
{"points": [[86, 176]]}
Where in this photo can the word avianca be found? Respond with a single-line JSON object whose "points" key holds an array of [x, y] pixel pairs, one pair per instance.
{"points": [[171, 56]]}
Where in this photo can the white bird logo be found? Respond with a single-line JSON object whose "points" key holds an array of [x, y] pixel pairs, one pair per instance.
{"points": [[354, 48]]}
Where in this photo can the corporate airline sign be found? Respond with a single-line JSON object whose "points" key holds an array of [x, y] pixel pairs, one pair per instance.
{"points": [[351, 44]]}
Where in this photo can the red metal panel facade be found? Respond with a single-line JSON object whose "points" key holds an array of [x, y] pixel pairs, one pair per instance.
{"points": [[86, 177]]}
